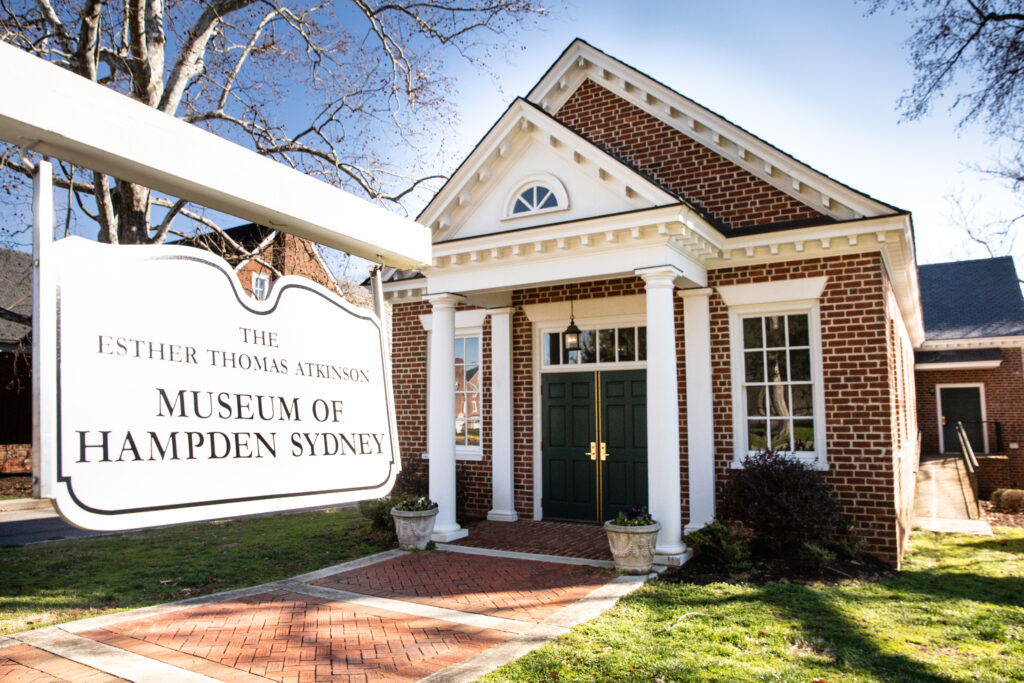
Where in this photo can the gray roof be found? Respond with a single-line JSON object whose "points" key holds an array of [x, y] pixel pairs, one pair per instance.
{"points": [[15, 292], [957, 356], [965, 299]]}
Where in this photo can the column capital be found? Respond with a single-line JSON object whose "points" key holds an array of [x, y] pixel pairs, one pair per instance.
{"points": [[659, 276], [505, 310], [695, 292], [444, 300]]}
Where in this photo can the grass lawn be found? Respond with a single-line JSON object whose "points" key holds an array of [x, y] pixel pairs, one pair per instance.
{"points": [[49, 583], [955, 613]]}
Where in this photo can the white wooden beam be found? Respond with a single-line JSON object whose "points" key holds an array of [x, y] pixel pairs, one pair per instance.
{"points": [[57, 113]]}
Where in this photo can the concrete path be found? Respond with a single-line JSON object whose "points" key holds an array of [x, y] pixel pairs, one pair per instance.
{"points": [[446, 615], [944, 499]]}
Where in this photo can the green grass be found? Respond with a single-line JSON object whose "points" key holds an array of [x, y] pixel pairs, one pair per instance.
{"points": [[49, 583], [955, 613]]}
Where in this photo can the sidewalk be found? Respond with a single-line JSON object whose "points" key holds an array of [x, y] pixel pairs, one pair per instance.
{"points": [[448, 615]]}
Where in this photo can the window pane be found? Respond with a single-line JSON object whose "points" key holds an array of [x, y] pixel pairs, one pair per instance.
{"points": [[800, 365], [606, 345], [460, 432], [752, 336], [531, 197], [549, 203], [775, 331], [803, 403], [460, 405], [473, 405], [778, 399], [520, 207], [627, 344], [460, 349], [780, 435], [552, 348], [755, 401], [473, 433], [473, 378], [754, 363], [803, 435], [472, 349], [641, 343], [588, 346], [777, 366], [798, 334], [756, 434]]}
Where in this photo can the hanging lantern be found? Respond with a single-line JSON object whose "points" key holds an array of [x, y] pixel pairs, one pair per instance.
{"points": [[571, 336]]}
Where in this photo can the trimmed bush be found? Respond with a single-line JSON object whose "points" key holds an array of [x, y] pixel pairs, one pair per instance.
{"points": [[783, 502], [726, 543], [378, 513], [1012, 500], [813, 557], [997, 496]]}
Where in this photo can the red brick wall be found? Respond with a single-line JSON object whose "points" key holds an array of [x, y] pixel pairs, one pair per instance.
{"points": [[1004, 403], [15, 458], [860, 394], [409, 377], [855, 361], [735, 196], [290, 255]]}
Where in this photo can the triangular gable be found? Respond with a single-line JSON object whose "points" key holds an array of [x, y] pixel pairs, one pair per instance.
{"points": [[524, 146], [583, 77]]}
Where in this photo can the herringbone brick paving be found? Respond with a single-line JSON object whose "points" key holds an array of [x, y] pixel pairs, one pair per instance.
{"points": [[285, 636], [524, 590], [25, 664], [545, 538]]}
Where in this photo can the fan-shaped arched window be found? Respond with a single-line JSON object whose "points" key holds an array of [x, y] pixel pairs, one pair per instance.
{"points": [[534, 198], [538, 193]]}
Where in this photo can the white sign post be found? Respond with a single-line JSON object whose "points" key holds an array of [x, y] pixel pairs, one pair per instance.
{"points": [[180, 398]]}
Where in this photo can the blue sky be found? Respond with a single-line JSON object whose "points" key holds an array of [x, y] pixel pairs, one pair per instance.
{"points": [[819, 80]]}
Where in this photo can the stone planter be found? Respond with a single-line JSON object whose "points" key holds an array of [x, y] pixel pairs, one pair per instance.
{"points": [[413, 527], [632, 546]]}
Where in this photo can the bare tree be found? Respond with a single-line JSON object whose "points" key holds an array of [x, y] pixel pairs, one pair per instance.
{"points": [[973, 52], [362, 76]]}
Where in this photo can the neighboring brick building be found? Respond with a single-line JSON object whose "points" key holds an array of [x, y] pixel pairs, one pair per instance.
{"points": [[970, 367], [15, 363], [728, 295]]}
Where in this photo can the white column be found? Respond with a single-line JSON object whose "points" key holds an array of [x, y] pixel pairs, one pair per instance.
{"points": [[663, 410], [441, 416], [700, 433], [502, 482]]}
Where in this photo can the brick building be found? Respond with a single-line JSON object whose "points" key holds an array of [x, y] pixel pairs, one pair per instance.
{"points": [[970, 368], [728, 297]]}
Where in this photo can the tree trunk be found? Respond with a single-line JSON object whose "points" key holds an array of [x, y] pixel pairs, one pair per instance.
{"points": [[132, 213]]}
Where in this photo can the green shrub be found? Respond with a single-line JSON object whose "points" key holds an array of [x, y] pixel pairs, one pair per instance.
{"points": [[726, 543], [814, 558], [1012, 500], [783, 502], [378, 513]]}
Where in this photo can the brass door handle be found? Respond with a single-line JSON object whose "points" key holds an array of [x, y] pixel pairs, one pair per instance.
{"points": [[604, 452], [593, 450]]}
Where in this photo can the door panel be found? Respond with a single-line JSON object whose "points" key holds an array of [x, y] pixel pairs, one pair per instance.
{"points": [[624, 432], [963, 404], [568, 425]]}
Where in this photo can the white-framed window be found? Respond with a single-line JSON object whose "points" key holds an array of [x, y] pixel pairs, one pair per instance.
{"points": [[260, 286], [777, 378], [468, 395], [538, 193]]}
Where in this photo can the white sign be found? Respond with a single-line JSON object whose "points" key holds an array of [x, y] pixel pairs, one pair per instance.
{"points": [[180, 398]]}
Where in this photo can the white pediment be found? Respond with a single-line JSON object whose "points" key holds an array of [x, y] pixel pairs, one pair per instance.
{"points": [[528, 147]]}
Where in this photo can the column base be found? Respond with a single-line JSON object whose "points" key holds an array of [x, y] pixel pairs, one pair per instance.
{"points": [[449, 535], [673, 560], [503, 516]]}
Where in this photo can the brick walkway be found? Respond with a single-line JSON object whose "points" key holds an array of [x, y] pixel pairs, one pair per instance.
{"points": [[543, 538], [393, 617]]}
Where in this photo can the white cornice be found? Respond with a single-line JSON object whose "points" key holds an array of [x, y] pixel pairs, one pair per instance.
{"points": [[521, 126], [960, 365], [581, 61], [972, 343]]}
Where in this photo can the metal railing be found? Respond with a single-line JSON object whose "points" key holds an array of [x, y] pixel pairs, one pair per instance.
{"points": [[971, 465]]}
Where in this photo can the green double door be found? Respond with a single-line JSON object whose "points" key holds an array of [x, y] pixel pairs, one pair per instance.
{"points": [[593, 443]]}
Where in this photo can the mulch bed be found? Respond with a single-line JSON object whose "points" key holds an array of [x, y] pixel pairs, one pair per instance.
{"points": [[16, 485], [703, 570], [1001, 518]]}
